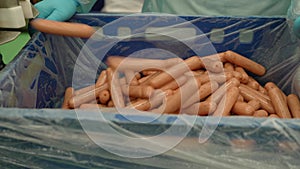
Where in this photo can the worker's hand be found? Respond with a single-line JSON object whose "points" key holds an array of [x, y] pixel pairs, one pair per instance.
{"points": [[296, 27], [58, 10]]}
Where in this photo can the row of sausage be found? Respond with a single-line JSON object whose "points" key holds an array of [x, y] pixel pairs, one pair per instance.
{"points": [[215, 85]]}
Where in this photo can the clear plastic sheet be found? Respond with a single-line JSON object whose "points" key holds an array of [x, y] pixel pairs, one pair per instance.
{"points": [[33, 136], [296, 82], [51, 138]]}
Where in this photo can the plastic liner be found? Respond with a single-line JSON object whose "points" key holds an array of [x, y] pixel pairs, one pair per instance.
{"points": [[33, 136], [51, 138], [296, 82]]}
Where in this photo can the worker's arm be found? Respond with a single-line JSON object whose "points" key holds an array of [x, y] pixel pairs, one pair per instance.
{"points": [[62, 10]]}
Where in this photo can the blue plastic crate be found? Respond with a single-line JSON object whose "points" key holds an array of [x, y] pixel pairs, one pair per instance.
{"points": [[33, 135]]}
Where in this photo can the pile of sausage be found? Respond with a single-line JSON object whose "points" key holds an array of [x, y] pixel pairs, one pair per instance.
{"points": [[215, 85]]}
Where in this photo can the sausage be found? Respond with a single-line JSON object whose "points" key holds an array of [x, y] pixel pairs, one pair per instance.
{"points": [[138, 91], [249, 95], [227, 102], [195, 73], [220, 78], [138, 75], [237, 75], [271, 85], [69, 93], [142, 105], [294, 105], [242, 108], [165, 77], [104, 96], [63, 28], [204, 91], [149, 72], [159, 110], [261, 113], [192, 63], [77, 100], [173, 102], [245, 77], [110, 104], [115, 88], [131, 78], [121, 63], [158, 97], [262, 90], [172, 61], [255, 104], [146, 80], [170, 104], [217, 57], [200, 71], [274, 116], [240, 98], [201, 108], [244, 62], [175, 83], [84, 90], [253, 84], [280, 106], [207, 89], [109, 74], [218, 94], [101, 79], [93, 102], [211, 65], [228, 67], [259, 94]]}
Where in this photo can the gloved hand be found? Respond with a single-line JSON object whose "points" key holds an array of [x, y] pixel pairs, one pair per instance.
{"points": [[58, 10]]}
